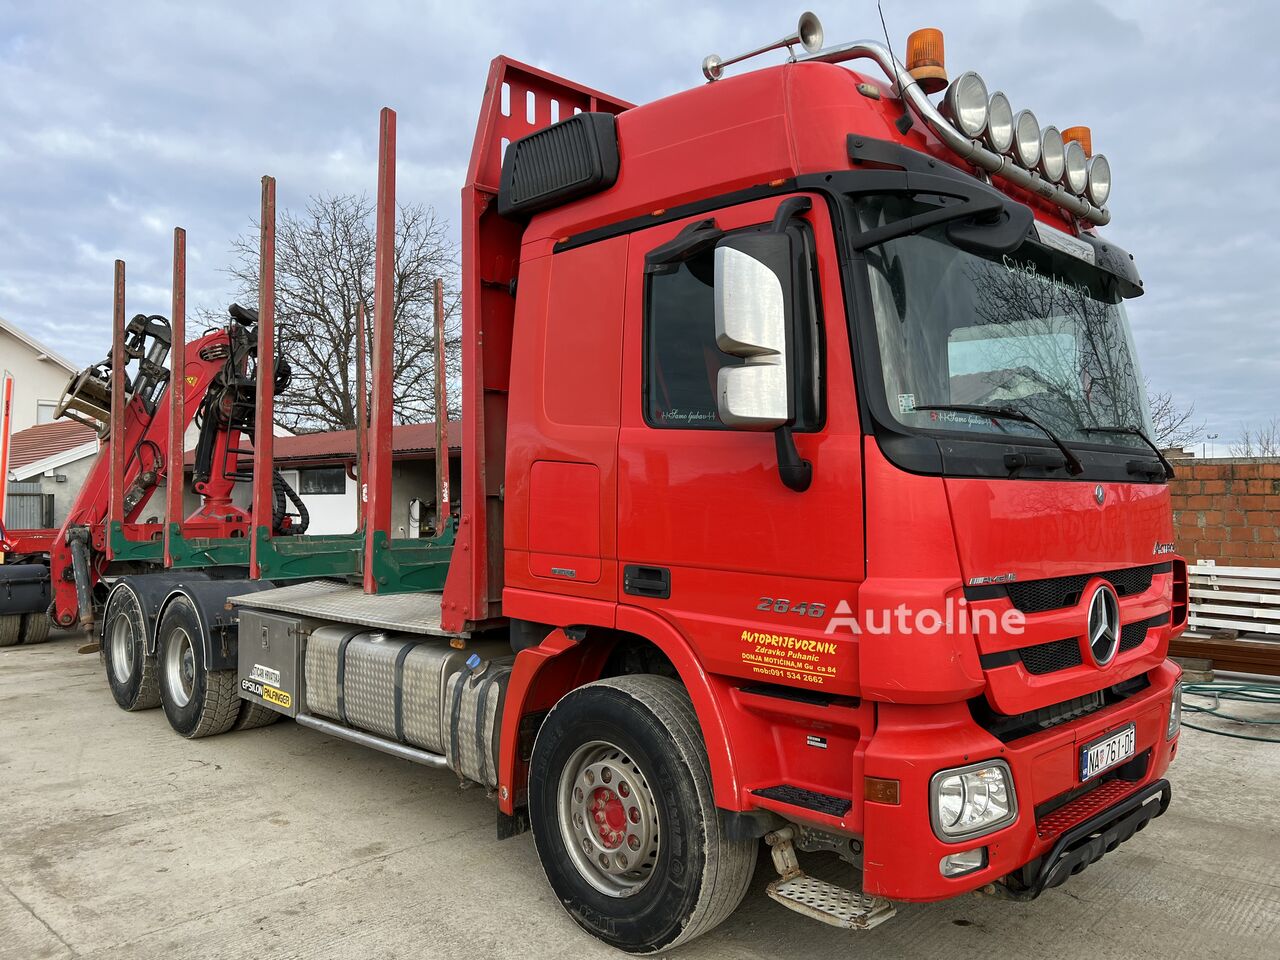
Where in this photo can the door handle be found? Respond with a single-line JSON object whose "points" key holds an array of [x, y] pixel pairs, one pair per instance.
{"points": [[646, 581]]}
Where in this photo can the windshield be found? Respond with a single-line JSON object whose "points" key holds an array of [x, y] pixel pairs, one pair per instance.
{"points": [[1037, 330]]}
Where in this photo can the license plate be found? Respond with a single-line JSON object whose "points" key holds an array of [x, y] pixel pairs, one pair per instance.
{"points": [[1106, 752]]}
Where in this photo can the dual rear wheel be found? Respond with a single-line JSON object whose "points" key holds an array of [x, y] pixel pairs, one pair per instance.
{"points": [[28, 628], [197, 702]]}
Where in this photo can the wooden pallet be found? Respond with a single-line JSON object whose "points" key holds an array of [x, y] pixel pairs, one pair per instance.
{"points": [[1233, 618]]}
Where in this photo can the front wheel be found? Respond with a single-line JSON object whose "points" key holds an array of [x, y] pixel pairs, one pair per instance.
{"points": [[197, 702], [623, 816]]}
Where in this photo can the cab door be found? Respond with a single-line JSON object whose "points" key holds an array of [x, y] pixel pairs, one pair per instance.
{"points": [[709, 536]]}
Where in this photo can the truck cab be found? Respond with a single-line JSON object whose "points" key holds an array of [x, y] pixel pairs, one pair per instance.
{"points": [[852, 431]]}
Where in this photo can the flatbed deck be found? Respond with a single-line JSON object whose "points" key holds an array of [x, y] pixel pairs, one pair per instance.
{"points": [[348, 603]]}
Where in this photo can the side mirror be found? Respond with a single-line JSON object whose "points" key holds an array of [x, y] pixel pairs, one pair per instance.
{"points": [[752, 300], [753, 306]]}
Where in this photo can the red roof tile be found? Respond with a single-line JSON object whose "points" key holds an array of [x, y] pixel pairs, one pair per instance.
{"points": [[406, 439], [46, 440]]}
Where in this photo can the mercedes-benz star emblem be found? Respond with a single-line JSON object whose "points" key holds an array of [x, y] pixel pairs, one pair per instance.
{"points": [[1104, 625], [1099, 494]]}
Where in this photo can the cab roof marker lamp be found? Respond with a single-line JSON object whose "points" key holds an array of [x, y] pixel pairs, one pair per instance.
{"points": [[979, 154]]}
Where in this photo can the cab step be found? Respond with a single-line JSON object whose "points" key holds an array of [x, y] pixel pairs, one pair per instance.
{"points": [[817, 899]]}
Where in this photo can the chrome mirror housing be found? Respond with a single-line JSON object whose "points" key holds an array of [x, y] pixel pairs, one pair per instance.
{"points": [[751, 323]]}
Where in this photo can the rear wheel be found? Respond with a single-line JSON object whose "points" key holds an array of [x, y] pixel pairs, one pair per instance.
{"points": [[623, 816], [197, 702], [131, 674], [35, 627], [10, 630], [254, 715]]}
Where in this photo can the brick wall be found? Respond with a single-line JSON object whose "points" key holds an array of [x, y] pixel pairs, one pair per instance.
{"points": [[1228, 511]]}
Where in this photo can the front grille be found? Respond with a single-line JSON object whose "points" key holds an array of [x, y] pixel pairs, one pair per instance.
{"points": [[1009, 727], [1054, 593], [1051, 657], [1132, 634]]}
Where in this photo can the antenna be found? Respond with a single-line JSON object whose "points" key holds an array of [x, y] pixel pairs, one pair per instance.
{"points": [[904, 122]]}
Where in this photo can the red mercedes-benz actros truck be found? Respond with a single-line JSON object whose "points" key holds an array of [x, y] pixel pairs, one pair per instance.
{"points": [[806, 496]]}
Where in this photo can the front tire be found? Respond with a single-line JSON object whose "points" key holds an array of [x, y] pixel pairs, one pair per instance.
{"points": [[624, 820], [197, 702], [131, 673]]}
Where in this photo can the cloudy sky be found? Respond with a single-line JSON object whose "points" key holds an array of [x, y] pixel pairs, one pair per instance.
{"points": [[120, 121]]}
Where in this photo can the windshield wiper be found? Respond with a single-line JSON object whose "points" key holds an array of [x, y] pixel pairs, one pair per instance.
{"points": [[1135, 432], [1073, 464]]}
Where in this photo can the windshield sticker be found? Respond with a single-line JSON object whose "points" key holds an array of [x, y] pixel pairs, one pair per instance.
{"points": [[906, 402]]}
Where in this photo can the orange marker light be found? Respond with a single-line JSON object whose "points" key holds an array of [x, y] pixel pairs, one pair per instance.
{"points": [[1081, 134], [926, 59], [880, 790]]}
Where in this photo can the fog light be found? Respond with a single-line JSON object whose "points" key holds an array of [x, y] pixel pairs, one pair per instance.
{"points": [[1099, 180], [1026, 139], [955, 864], [965, 104], [972, 801], [1052, 154], [999, 135], [1077, 172], [1175, 713]]}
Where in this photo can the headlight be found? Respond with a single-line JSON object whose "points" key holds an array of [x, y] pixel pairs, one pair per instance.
{"points": [[1175, 713], [1076, 165], [972, 801], [1052, 154], [999, 135], [1099, 180], [965, 104], [1026, 139]]}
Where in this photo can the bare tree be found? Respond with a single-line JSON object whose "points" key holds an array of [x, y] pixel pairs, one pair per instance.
{"points": [[1258, 441], [324, 269], [1175, 426]]}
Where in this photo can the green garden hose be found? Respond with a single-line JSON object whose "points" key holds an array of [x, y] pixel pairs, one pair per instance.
{"points": [[1221, 692]]}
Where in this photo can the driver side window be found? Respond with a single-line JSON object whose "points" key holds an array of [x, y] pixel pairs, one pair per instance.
{"points": [[681, 359]]}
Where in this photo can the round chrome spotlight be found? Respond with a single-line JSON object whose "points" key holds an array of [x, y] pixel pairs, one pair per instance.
{"points": [[1053, 159], [1099, 180], [1076, 164], [965, 104], [1026, 139], [999, 135]]}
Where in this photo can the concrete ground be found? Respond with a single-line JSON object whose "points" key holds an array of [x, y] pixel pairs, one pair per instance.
{"points": [[120, 840]]}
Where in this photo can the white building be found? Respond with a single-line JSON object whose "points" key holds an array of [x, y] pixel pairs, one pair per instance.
{"points": [[39, 376]]}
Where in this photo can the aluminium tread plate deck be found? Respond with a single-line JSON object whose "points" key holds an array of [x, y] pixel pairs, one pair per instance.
{"points": [[348, 603]]}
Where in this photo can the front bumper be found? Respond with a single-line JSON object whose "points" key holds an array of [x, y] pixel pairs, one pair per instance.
{"points": [[1061, 826], [1087, 842]]}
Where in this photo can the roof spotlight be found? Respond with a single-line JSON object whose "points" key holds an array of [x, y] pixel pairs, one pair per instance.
{"points": [[1026, 139], [965, 104], [1076, 165], [1052, 154], [1099, 180], [999, 135]]}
